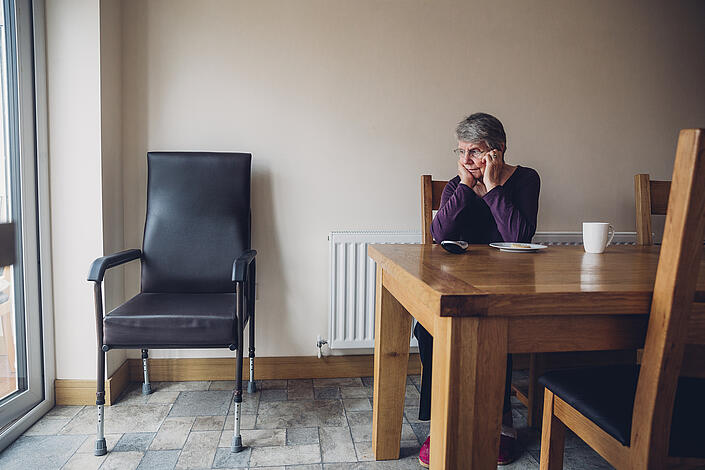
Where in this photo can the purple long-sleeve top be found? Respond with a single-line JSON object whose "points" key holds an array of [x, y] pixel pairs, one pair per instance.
{"points": [[506, 214]]}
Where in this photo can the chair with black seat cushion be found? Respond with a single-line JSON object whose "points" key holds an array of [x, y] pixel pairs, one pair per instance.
{"points": [[197, 269], [649, 417]]}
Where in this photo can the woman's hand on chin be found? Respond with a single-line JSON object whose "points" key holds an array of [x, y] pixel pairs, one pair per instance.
{"points": [[493, 170]]}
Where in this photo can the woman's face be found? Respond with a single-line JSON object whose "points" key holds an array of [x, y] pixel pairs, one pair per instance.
{"points": [[471, 156]]}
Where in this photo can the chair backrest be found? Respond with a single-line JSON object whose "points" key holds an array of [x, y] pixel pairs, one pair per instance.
{"points": [[431, 192], [198, 220], [650, 198], [675, 319]]}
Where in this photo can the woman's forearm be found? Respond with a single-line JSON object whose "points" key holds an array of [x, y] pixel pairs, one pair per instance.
{"points": [[515, 224], [447, 224]]}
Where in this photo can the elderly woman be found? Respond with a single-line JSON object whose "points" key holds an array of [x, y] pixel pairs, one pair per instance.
{"points": [[489, 201]]}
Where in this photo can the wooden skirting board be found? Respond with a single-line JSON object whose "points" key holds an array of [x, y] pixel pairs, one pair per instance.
{"points": [[82, 392]]}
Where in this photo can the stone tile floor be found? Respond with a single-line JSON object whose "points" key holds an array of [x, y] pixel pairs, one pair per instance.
{"points": [[319, 424]]}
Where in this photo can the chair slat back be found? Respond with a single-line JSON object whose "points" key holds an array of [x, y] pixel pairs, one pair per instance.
{"points": [[651, 198], [660, 191], [671, 307], [431, 192]]}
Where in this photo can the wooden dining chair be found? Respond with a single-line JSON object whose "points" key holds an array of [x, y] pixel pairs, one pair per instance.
{"points": [[650, 198], [431, 192], [648, 417]]}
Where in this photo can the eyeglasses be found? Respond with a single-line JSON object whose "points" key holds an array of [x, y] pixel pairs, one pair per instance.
{"points": [[465, 152]]}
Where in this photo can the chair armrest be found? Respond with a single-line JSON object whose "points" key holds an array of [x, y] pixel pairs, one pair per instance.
{"points": [[104, 263], [241, 265]]}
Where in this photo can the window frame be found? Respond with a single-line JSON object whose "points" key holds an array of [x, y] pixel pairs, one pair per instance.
{"points": [[35, 235]]}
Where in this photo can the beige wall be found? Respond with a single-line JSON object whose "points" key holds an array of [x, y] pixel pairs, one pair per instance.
{"points": [[73, 90], [84, 86], [111, 155], [345, 103]]}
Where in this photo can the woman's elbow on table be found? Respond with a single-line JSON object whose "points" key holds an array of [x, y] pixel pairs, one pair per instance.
{"points": [[440, 231]]}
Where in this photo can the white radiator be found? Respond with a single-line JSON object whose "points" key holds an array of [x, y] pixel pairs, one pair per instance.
{"points": [[353, 277], [352, 286]]}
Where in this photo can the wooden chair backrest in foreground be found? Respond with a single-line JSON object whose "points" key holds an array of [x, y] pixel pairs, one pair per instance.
{"points": [[664, 429]]}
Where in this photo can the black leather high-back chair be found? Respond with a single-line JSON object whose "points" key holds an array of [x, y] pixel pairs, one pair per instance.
{"points": [[197, 268]]}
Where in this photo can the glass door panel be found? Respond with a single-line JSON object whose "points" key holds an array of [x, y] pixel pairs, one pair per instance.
{"points": [[8, 343], [21, 369]]}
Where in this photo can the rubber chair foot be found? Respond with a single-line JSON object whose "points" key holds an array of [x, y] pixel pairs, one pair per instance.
{"points": [[251, 386], [101, 448], [146, 389], [237, 445]]}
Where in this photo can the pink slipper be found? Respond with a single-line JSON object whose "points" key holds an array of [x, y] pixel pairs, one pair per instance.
{"points": [[424, 453], [507, 451]]}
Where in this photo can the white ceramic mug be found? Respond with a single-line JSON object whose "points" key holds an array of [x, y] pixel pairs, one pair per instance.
{"points": [[597, 236]]}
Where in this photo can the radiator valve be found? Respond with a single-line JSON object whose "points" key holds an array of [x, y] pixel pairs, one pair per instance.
{"points": [[319, 345]]}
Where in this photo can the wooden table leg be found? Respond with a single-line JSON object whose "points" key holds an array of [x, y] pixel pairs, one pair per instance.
{"points": [[392, 336], [469, 367]]}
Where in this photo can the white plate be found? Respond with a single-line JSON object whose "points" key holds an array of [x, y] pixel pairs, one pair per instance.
{"points": [[518, 247]]}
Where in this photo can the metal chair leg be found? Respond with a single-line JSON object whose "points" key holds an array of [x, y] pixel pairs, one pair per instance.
{"points": [[237, 438], [146, 386], [251, 385], [101, 448]]}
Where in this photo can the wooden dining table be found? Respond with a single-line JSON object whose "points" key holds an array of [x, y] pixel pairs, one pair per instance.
{"points": [[482, 305]]}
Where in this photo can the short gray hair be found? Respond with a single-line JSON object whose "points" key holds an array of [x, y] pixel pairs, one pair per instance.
{"points": [[482, 127]]}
